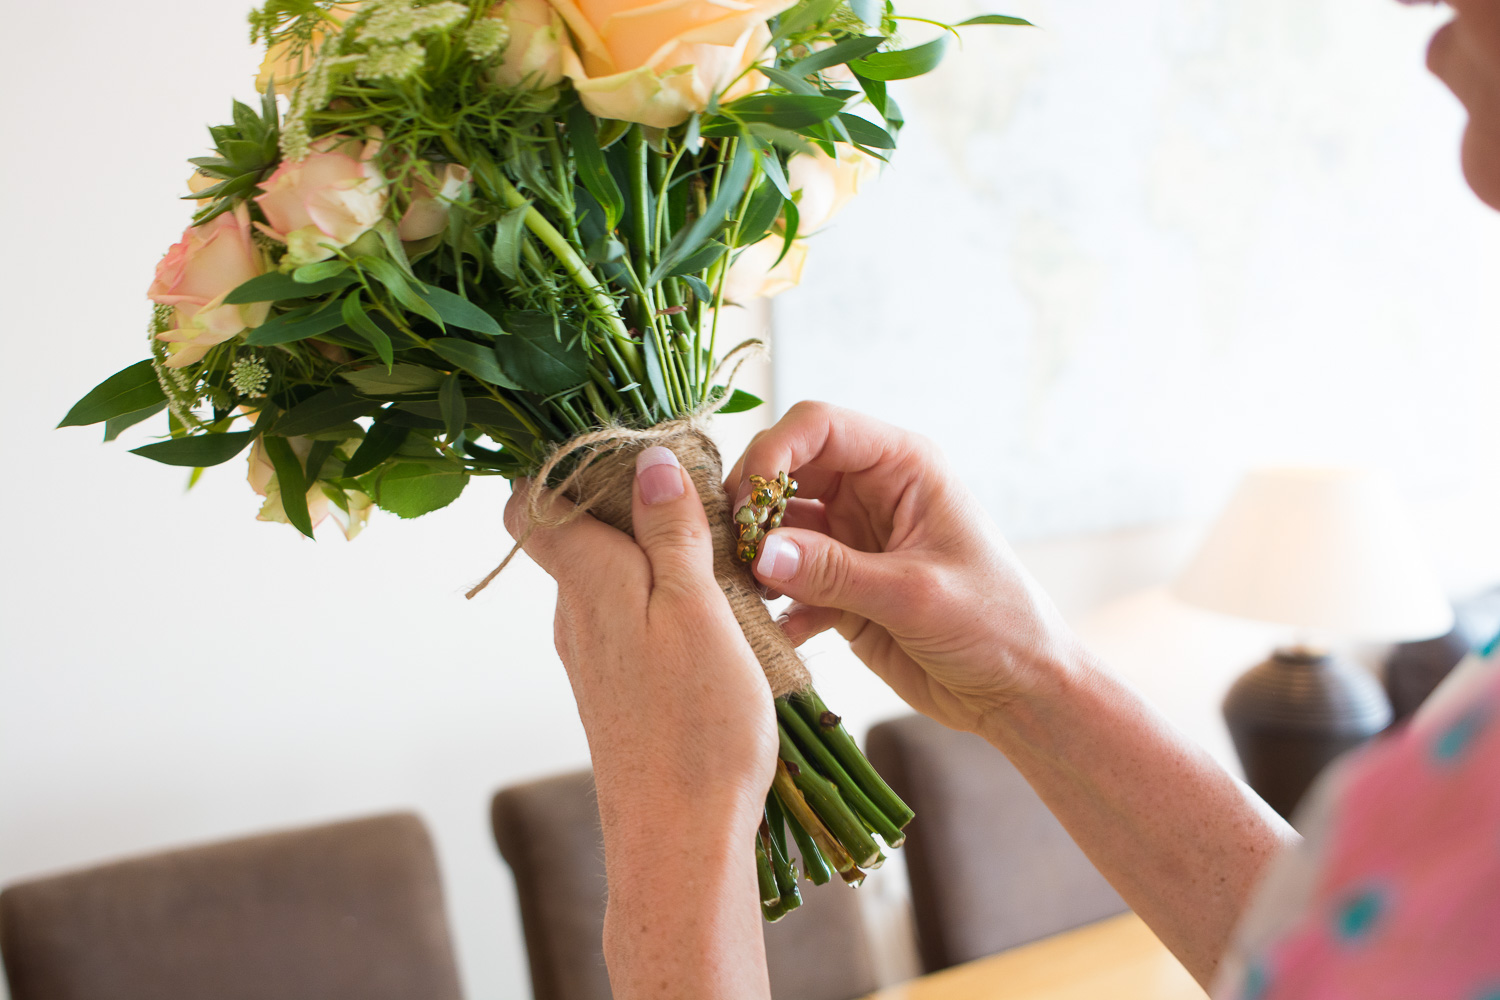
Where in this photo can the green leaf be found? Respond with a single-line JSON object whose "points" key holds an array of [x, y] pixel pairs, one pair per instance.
{"points": [[275, 287], [739, 401], [770, 162], [395, 380], [700, 261], [995, 19], [903, 63], [411, 490], [459, 311], [535, 358], [803, 16], [731, 187], [290, 483], [656, 378], [114, 425], [400, 287], [510, 233], [126, 391], [299, 324], [867, 11], [478, 360], [200, 450], [482, 411], [791, 111], [328, 408], [380, 443], [357, 319], [318, 455], [592, 170], [321, 271], [699, 286], [787, 81], [451, 404], [867, 133], [760, 214], [837, 55]]}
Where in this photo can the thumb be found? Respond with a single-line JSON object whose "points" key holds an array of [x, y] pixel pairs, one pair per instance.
{"points": [[669, 522], [814, 569]]}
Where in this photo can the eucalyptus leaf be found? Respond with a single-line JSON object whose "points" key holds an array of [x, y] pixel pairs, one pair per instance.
{"points": [[739, 401], [114, 425], [760, 214], [411, 490], [995, 19], [866, 133], [291, 484], [656, 378], [731, 187], [357, 319], [540, 356], [198, 450], [789, 111], [126, 391], [701, 260], [380, 443], [451, 404], [903, 63], [395, 380], [837, 55], [276, 287], [299, 324], [510, 232], [478, 360], [328, 408], [459, 311], [593, 172], [804, 16]]}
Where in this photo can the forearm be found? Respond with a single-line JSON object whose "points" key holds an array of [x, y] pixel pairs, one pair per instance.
{"points": [[683, 921], [1178, 837]]}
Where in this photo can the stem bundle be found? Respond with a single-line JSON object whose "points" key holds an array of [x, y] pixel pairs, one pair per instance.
{"points": [[831, 799]]}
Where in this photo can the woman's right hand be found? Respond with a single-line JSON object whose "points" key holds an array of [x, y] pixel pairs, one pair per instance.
{"points": [[885, 545]]}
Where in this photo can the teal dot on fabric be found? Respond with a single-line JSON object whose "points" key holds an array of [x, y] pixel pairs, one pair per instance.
{"points": [[1488, 993], [1460, 735], [1256, 983], [1358, 917]]}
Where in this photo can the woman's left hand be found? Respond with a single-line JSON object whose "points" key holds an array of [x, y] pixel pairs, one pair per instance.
{"points": [[682, 732]]}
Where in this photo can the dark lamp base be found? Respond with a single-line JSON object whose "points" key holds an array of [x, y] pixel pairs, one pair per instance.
{"points": [[1293, 714]]}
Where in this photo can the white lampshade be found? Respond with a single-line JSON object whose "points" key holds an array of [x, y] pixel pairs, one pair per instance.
{"points": [[1325, 550]]}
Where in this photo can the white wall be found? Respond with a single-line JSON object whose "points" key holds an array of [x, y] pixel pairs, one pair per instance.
{"points": [[1146, 244]]}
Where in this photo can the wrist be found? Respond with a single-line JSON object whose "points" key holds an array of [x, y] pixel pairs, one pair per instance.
{"points": [[1057, 682]]}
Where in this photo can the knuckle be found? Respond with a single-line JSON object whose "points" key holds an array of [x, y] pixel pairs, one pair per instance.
{"points": [[832, 571]]}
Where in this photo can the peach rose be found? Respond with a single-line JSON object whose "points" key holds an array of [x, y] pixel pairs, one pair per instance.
{"points": [[658, 62], [211, 261], [752, 275], [428, 213], [287, 69], [826, 184], [263, 481], [326, 200], [534, 52]]}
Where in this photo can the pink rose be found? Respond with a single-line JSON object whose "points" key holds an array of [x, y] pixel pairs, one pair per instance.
{"points": [[211, 261], [263, 481], [428, 212], [325, 201], [533, 50]]}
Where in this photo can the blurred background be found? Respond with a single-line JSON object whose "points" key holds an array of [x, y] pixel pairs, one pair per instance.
{"points": [[1118, 260]]}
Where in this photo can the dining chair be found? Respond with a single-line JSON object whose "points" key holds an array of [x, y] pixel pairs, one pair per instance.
{"points": [[347, 911], [990, 867], [548, 832]]}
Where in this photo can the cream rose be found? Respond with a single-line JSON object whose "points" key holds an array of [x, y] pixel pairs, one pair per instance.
{"points": [[533, 55], [326, 200], [753, 276], [263, 481], [209, 262], [427, 215], [658, 62], [827, 183]]}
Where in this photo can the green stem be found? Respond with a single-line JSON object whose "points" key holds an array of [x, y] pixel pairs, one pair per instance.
{"points": [[640, 196], [799, 811], [770, 894], [824, 798], [837, 739], [807, 739], [813, 863]]}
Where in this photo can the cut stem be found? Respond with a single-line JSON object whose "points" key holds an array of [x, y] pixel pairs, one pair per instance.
{"points": [[837, 739], [828, 804], [808, 739], [801, 813], [814, 865]]}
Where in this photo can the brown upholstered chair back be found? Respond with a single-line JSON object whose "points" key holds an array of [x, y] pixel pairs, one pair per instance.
{"points": [[548, 831], [350, 911], [990, 867]]}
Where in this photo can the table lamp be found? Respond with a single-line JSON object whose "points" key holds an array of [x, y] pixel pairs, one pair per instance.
{"points": [[1330, 553]]}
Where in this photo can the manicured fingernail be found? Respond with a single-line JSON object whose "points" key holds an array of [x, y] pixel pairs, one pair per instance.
{"points": [[659, 474], [779, 557]]}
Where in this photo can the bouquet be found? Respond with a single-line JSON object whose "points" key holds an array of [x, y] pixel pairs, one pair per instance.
{"points": [[463, 239]]}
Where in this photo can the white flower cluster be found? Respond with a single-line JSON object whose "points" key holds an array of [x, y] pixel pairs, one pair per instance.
{"points": [[396, 62], [486, 38], [249, 376], [392, 22]]}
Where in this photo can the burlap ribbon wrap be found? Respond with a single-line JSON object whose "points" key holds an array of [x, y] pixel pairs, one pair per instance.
{"points": [[601, 483]]}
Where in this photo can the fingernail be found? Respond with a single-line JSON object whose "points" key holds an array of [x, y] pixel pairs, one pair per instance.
{"points": [[659, 474], [779, 557]]}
